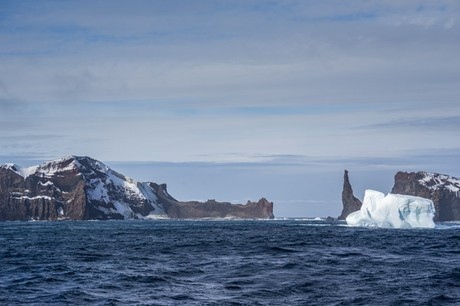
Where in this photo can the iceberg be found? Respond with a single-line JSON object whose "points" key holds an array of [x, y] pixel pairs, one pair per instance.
{"points": [[393, 211]]}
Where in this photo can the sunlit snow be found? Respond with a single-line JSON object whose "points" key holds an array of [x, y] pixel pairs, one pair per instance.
{"points": [[24, 172]]}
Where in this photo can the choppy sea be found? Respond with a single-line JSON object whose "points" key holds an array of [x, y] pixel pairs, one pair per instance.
{"points": [[277, 262]]}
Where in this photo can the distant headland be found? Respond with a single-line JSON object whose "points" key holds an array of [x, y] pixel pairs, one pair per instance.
{"points": [[82, 188]]}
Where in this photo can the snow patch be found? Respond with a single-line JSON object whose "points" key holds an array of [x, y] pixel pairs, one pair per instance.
{"points": [[149, 193], [33, 198], [435, 181], [112, 185], [97, 191], [154, 216], [124, 210], [50, 169], [125, 184], [393, 211]]}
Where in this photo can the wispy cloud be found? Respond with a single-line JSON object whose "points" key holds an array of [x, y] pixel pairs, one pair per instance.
{"points": [[428, 123]]}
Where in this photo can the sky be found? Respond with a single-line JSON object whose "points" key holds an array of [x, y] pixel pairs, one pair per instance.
{"points": [[235, 100]]}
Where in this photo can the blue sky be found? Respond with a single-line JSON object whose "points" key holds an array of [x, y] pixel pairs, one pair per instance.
{"points": [[270, 95]]}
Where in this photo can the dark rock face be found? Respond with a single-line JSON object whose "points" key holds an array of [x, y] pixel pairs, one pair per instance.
{"points": [[443, 190], [349, 202], [39, 197], [81, 188]]}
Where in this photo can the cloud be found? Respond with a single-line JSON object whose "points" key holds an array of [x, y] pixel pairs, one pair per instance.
{"points": [[440, 15], [234, 54], [29, 137], [204, 79], [427, 123]]}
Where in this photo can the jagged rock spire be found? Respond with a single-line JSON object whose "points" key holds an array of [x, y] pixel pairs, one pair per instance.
{"points": [[350, 203]]}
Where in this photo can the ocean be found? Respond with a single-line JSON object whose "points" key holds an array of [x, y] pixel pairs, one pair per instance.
{"points": [[228, 262]]}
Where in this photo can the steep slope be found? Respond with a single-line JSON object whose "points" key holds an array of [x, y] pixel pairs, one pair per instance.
{"points": [[81, 188], [442, 189]]}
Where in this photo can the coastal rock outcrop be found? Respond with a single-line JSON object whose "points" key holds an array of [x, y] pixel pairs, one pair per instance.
{"points": [[349, 201], [262, 209], [82, 188], [443, 190]]}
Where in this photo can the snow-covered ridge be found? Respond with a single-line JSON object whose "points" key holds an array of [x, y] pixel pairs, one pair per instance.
{"points": [[24, 172], [71, 162], [45, 169], [67, 163], [435, 181]]}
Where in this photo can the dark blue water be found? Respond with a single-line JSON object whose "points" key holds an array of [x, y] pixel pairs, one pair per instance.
{"points": [[226, 262]]}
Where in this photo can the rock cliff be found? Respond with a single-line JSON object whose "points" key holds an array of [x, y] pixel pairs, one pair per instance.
{"points": [[349, 202], [81, 188], [442, 189]]}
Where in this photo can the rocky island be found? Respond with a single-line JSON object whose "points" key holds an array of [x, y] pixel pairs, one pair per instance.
{"points": [[443, 190], [82, 188]]}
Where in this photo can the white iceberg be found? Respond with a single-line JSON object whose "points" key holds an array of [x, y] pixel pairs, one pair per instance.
{"points": [[393, 211]]}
